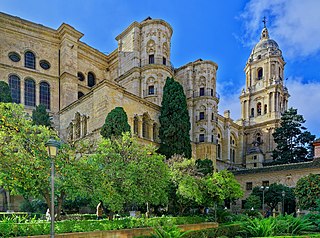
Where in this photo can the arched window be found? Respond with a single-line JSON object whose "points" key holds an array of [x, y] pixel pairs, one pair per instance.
{"points": [[29, 93], [45, 94], [259, 108], [258, 138], [80, 94], [14, 84], [260, 73], [81, 76], [155, 131], [29, 60], [135, 125], [91, 79]]}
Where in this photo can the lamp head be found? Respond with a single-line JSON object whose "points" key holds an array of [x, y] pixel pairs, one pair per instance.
{"points": [[52, 147]]}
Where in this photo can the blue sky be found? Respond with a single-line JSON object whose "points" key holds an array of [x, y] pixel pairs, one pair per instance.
{"points": [[221, 31]]}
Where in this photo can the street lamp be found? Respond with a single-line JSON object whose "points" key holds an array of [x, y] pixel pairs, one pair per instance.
{"points": [[283, 195], [263, 189], [52, 149]]}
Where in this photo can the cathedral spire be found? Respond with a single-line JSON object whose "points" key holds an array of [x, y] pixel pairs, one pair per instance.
{"points": [[264, 22], [264, 33]]}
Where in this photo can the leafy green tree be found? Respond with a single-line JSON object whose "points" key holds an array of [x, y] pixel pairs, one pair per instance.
{"points": [[40, 116], [5, 93], [115, 124], [133, 174], [253, 201], [292, 138], [174, 121], [274, 195], [24, 164], [308, 191], [204, 166], [193, 188]]}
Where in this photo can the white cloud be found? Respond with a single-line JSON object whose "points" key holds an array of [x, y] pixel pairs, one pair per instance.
{"points": [[293, 24], [229, 99], [306, 98]]}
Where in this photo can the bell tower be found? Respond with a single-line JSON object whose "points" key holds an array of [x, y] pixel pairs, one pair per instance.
{"points": [[263, 100]]}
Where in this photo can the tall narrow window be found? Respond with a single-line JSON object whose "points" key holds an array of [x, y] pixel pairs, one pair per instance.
{"points": [[201, 137], [29, 92], [14, 84], [252, 112], [164, 61], [91, 79], [201, 115], [151, 59], [219, 151], [45, 94], [201, 92], [260, 73], [151, 90], [259, 108], [265, 109], [29, 60]]}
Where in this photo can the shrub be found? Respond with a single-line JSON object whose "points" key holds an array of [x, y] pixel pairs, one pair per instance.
{"points": [[168, 231], [293, 225], [259, 227]]}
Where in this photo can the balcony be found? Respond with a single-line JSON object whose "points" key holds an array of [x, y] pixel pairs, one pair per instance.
{"points": [[205, 93], [157, 61], [150, 93]]}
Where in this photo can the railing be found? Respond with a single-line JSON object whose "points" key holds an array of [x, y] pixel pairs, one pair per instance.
{"points": [[147, 93], [204, 118], [157, 61], [205, 93]]}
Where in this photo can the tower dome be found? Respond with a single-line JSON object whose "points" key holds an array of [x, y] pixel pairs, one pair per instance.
{"points": [[266, 47]]}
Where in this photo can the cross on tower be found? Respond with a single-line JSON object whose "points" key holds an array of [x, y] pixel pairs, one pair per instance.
{"points": [[264, 22]]}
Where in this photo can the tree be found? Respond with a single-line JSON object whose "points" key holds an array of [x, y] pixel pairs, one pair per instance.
{"points": [[40, 116], [292, 138], [133, 174], [274, 195], [195, 188], [308, 191], [5, 93], [174, 121], [115, 124], [24, 164], [253, 201]]}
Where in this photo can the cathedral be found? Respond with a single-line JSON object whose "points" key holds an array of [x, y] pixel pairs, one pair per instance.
{"points": [[80, 85]]}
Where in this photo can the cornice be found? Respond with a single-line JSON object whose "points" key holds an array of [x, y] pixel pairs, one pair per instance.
{"points": [[126, 31], [198, 62]]}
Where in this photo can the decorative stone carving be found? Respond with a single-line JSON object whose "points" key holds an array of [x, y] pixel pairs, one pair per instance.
{"points": [[151, 47]]}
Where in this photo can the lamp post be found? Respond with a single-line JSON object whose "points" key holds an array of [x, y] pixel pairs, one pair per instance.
{"points": [[283, 195], [52, 149], [263, 189]]}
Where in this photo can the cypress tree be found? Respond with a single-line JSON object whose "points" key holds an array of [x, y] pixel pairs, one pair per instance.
{"points": [[292, 138], [5, 93], [40, 116], [115, 124], [174, 121]]}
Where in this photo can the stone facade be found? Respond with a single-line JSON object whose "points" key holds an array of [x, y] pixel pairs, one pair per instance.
{"points": [[81, 85]]}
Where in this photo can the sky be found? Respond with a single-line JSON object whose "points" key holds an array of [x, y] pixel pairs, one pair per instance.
{"points": [[222, 31]]}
